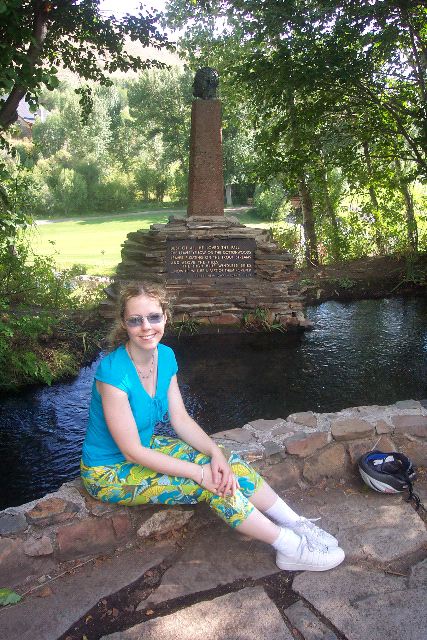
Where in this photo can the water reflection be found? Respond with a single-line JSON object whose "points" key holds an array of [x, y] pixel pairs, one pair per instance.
{"points": [[368, 352]]}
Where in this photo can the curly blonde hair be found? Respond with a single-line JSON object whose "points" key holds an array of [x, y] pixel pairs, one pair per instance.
{"points": [[119, 335]]}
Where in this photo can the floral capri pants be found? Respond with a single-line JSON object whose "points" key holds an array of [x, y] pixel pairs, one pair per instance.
{"points": [[132, 484]]}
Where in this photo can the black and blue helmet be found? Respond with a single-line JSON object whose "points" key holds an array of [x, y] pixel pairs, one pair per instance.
{"points": [[387, 472]]}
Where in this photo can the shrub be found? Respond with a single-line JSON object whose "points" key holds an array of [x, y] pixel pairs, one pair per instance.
{"points": [[71, 191], [19, 343], [88, 295], [33, 294], [288, 238], [270, 201], [178, 189], [115, 191], [77, 269], [29, 279]]}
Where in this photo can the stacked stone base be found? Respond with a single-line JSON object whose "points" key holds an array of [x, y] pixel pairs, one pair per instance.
{"points": [[308, 447], [214, 302], [67, 527]]}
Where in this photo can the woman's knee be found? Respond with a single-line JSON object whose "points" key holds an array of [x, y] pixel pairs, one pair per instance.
{"points": [[249, 479], [232, 509]]}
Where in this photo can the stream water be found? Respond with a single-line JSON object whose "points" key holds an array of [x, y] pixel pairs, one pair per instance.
{"points": [[360, 353]]}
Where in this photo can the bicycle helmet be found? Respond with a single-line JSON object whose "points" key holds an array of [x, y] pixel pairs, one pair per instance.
{"points": [[388, 472]]}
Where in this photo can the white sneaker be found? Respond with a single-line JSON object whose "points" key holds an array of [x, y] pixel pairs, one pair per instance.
{"points": [[310, 557], [306, 527]]}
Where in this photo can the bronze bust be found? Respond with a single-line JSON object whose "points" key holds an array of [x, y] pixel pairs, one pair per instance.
{"points": [[205, 84]]}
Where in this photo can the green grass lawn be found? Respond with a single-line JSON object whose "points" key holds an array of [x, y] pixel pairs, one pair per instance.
{"points": [[146, 207], [95, 241]]}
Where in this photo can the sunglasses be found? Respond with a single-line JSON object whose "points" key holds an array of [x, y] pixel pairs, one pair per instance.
{"points": [[138, 321]]}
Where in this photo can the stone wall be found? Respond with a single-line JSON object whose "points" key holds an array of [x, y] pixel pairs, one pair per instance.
{"points": [[213, 301], [52, 534]]}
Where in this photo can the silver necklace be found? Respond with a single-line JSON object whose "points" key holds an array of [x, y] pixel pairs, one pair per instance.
{"points": [[140, 371]]}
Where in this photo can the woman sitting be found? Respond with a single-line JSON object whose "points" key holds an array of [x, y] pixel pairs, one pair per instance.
{"points": [[123, 461]]}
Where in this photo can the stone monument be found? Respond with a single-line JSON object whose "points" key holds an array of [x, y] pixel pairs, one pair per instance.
{"points": [[217, 270], [205, 178]]}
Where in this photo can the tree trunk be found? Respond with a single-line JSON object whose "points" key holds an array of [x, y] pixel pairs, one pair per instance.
{"points": [[411, 223], [310, 248], [228, 195], [336, 251], [379, 240], [8, 112], [310, 239], [418, 60]]}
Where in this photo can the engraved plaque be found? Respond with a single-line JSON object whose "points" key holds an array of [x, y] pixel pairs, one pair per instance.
{"points": [[223, 258]]}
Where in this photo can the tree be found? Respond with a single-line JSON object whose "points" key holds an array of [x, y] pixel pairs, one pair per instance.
{"points": [[342, 74], [160, 104], [38, 37]]}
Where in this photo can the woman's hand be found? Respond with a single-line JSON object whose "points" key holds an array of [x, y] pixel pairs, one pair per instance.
{"points": [[222, 475], [207, 482]]}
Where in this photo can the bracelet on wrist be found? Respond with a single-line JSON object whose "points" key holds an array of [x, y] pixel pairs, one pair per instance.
{"points": [[203, 475]]}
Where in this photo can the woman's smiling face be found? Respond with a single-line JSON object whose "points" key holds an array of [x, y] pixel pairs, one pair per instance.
{"points": [[145, 336]]}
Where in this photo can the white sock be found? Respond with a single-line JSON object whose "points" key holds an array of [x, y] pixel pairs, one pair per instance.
{"points": [[287, 542], [281, 513]]}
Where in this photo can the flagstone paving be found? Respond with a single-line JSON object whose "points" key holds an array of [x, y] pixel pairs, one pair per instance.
{"points": [[212, 583], [366, 603], [248, 614], [50, 610]]}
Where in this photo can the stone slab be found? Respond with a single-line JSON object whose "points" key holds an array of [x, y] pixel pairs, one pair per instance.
{"points": [[362, 410], [418, 577], [282, 476], [363, 603], [359, 447], [266, 425], [15, 565], [381, 426], [306, 418], [421, 491], [85, 538], [417, 430], [53, 510], [73, 595], [216, 557], [229, 617], [272, 448], [164, 521], [309, 626], [351, 429], [249, 451], [414, 425], [12, 523], [289, 429], [329, 463], [369, 526], [407, 404], [415, 449], [236, 435], [303, 445], [38, 546]]}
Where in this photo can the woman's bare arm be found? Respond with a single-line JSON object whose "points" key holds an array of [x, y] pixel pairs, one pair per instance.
{"points": [[189, 431], [186, 428], [122, 426]]}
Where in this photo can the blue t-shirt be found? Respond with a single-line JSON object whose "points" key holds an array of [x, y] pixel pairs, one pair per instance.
{"points": [[118, 370]]}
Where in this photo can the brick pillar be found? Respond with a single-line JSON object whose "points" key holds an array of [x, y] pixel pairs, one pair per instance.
{"points": [[206, 181]]}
